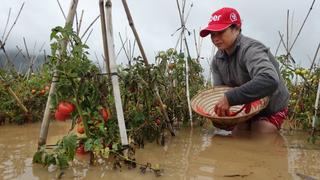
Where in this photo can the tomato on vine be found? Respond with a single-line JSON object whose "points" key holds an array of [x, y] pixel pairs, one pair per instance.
{"points": [[80, 150], [66, 107], [80, 129], [59, 116], [105, 114]]}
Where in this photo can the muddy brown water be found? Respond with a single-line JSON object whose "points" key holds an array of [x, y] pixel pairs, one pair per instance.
{"points": [[194, 154]]}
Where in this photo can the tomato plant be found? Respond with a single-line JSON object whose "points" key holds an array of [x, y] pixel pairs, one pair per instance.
{"points": [[302, 84], [84, 92], [28, 90]]}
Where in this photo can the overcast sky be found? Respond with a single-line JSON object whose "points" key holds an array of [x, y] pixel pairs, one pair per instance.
{"points": [[156, 20]]}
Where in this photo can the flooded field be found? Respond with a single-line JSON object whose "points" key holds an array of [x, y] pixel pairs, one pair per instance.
{"points": [[194, 154]]}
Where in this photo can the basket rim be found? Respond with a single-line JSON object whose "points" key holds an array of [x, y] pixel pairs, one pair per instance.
{"points": [[220, 118]]}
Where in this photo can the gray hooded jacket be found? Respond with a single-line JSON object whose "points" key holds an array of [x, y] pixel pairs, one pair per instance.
{"points": [[253, 72]]}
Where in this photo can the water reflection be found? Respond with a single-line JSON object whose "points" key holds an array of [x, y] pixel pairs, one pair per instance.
{"points": [[193, 154], [303, 157]]}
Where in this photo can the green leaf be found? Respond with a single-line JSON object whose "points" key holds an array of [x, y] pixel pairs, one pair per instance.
{"points": [[88, 145], [55, 31], [49, 159], [37, 157], [62, 161], [70, 144], [97, 144], [102, 129]]}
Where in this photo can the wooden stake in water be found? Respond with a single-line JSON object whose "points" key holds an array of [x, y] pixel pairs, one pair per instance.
{"points": [[46, 120], [187, 82], [108, 34], [314, 119]]}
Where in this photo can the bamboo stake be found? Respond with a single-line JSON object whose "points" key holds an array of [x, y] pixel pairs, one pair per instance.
{"points": [[14, 23], [77, 24], [187, 83], [163, 110], [314, 58], [85, 41], [26, 47], [20, 51], [124, 49], [315, 118], [64, 15], [304, 21], [104, 37], [20, 104], [196, 45], [129, 17], [181, 15], [288, 34], [18, 100], [183, 20], [7, 23], [32, 61], [80, 22], [277, 49], [5, 38], [113, 68], [91, 24], [133, 48], [46, 121], [284, 45]]}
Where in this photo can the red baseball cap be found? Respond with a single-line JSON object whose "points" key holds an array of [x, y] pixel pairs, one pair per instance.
{"points": [[221, 20]]}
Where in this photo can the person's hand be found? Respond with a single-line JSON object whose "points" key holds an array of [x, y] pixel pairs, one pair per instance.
{"points": [[222, 107]]}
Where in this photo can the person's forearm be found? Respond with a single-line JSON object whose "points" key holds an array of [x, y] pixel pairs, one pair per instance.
{"points": [[259, 87]]}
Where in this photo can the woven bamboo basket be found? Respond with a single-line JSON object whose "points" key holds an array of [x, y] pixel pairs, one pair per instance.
{"points": [[203, 104]]}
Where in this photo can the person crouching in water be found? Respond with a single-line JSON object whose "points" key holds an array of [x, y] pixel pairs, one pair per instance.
{"points": [[247, 65]]}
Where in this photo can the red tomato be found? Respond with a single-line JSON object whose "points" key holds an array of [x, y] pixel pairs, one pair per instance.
{"points": [[80, 150], [66, 107], [104, 113], [201, 111], [42, 92], [80, 129], [47, 88], [60, 116], [232, 113]]}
